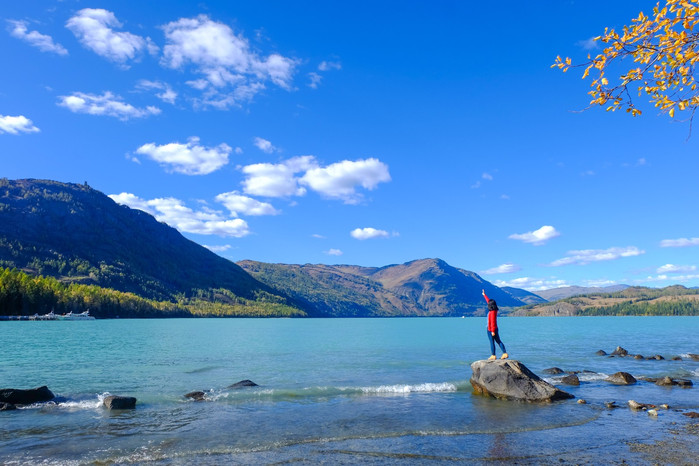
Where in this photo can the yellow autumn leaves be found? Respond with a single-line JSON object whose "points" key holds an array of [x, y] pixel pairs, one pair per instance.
{"points": [[665, 51]]}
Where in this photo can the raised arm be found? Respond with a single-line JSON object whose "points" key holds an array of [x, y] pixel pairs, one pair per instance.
{"points": [[486, 297]]}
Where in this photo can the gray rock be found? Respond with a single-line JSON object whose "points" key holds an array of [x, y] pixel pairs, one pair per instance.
{"points": [[637, 356], [684, 383], [619, 351], [610, 404], [196, 396], [17, 396], [621, 378], [635, 405], [553, 370], [7, 406], [244, 383], [510, 379], [676, 358], [601, 353], [119, 402], [582, 402], [658, 357], [570, 380], [664, 382], [693, 357]]}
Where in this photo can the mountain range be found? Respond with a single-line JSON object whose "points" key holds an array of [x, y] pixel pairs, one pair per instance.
{"points": [[79, 235]]}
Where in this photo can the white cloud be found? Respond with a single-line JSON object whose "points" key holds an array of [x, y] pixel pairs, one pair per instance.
{"points": [[217, 249], [265, 146], [586, 256], [368, 233], [189, 158], [532, 284], [339, 180], [588, 44], [670, 268], [173, 212], [537, 237], [243, 205], [166, 94], [679, 243], [504, 268], [16, 124], [487, 176], [106, 104], [41, 41], [317, 236], [315, 80], [94, 28], [476, 185], [670, 278], [231, 71], [333, 252], [329, 65], [276, 180]]}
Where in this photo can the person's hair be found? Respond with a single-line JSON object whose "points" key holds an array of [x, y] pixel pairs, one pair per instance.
{"points": [[492, 305]]}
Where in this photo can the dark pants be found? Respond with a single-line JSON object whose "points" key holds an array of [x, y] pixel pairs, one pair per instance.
{"points": [[494, 339]]}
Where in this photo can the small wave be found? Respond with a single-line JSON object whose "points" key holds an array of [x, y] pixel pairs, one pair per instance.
{"points": [[592, 376], [420, 388], [71, 404]]}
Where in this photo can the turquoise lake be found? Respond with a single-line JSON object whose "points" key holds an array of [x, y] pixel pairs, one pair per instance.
{"points": [[376, 391]]}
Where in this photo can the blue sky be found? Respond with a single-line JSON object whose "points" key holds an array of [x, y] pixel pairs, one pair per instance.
{"points": [[367, 133]]}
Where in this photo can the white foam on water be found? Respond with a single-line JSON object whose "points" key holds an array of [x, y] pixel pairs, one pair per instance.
{"points": [[591, 377], [402, 389]]}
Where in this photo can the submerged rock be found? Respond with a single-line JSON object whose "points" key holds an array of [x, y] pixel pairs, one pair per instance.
{"points": [[196, 395], [694, 357], [7, 406], [119, 402], [18, 396], [637, 356], [553, 370], [601, 353], [676, 358], [610, 404], [692, 414], [621, 378], [619, 351], [510, 379], [640, 406], [669, 382], [570, 380], [244, 383]]}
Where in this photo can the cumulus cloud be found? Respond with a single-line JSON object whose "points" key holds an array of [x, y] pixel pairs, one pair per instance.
{"points": [[16, 124], [106, 104], [679, 243], [504, 268], [35, 39], [163, 90], [277, 180], [174, 213], [190, 158], [670, 268], [329, 65], [537, 237], [368, 233], [238, 204], [333, 252], [532, 284], [340, 180], [94, 28], [231, 72], [586, 256], [265, 146], [314, 80], [217, 249]]}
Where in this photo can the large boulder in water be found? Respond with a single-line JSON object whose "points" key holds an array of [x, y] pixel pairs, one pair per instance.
{"points": [[243, 384], [119, 402], [18, 396], [621, 378], [512, 380]]}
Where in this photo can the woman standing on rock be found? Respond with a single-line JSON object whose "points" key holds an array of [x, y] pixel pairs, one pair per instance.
{"points": [[493, 334]]}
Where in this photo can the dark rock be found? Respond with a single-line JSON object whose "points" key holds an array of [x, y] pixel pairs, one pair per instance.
{"points": [[610, 404], [244, 383], [676, 358], [684, 383], [570, 380], [553, 370], [621, 378], [658, 357], [196, 396], [119, 402], [17, 396], [7, 406], [637, 356], [649, 379], [693, 357], [619, 351], [510, 379], [601, 353], [691, 414]]}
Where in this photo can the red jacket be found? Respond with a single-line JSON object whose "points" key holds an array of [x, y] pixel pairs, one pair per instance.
{"points": [[492, 317]]}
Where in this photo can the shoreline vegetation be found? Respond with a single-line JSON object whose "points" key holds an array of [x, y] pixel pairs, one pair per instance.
{"points": [[22, 294]]}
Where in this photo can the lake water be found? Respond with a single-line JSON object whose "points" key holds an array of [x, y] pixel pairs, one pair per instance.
{"points": [[374, 391]]}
